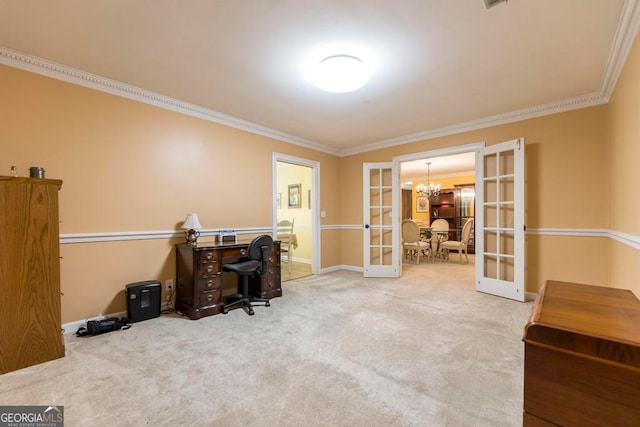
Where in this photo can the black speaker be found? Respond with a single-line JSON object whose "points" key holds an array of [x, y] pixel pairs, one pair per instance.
{"points": [[143, 300]]}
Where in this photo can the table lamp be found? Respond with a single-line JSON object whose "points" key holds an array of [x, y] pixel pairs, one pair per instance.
{"points": [[192, 225]]}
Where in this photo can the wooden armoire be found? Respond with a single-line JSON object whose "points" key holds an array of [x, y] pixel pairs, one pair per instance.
{"points": [[30, 314]]}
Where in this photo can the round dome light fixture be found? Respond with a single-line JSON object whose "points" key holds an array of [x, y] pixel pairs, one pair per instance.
{"points": [[340, 74]]}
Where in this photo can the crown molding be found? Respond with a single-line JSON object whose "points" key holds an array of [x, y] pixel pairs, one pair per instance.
{"points": [[57, 71], [499, 119]]}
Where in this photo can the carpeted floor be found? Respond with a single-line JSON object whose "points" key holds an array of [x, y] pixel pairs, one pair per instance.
{"points": [[336, 350]]}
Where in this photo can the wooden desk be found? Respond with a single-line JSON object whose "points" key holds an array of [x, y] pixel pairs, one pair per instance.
{"points": [[582, 357], [200, 290]]}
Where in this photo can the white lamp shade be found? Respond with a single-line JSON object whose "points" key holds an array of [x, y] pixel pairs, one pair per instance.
{"points": [[192, 222]]}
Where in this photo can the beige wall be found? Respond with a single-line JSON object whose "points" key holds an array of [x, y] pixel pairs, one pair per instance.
{"points": [[130, 167], [624, 164]]}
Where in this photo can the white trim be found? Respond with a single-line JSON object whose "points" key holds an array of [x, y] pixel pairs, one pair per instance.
{"points": [[626, 239], [440, 152], [148, 235], [573, 232], [342, 227], [628, 26], [341, 267], [65, 73]]}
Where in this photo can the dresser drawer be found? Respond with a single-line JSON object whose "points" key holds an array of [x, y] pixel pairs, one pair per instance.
{"points": [[210, 298], [205, 284]]}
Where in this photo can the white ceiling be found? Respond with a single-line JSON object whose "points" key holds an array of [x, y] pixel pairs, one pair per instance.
{"points": [[440, 65]]}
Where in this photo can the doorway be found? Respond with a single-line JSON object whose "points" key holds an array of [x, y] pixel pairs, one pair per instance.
{"points": [[441, 189], [295, 218]]}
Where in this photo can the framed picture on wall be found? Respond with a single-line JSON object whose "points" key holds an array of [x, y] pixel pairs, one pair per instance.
{"points": [[294, 195], [422, 204]]}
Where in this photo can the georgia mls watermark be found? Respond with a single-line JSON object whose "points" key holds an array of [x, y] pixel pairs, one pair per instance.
{"points": [[31, 416]]}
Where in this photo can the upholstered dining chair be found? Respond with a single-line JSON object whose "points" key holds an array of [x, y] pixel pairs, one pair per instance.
{"points": [[411, 242], [285, 235], [463, 244]]}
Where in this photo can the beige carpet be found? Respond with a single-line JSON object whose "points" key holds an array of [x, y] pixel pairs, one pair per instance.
{"points": [[336, 350]]}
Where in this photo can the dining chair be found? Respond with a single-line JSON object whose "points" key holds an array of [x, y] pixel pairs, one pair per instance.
{"points": [[463, 244], [285, 235], [411, 243]]}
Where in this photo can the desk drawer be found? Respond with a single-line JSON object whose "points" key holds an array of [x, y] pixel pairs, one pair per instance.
{"points": [[208, 268], [210, 298], [208, 256], [209, 283]]}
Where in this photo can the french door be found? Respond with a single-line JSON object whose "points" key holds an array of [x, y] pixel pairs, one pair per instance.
{"points": [[500, 220], [381, 201]]}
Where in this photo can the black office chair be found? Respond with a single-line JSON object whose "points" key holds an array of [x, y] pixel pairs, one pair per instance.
{"points": [[258, 254]]}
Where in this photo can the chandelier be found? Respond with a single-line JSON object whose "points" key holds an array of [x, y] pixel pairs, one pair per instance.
{"points": [[428, 189]]}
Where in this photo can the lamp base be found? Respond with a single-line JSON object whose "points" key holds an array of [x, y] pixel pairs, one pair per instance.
{"points": [[192, 237]]}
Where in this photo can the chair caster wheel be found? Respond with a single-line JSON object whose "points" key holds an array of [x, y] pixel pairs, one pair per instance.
{"points": [[225, 311], [251, 312], [267, 304]]}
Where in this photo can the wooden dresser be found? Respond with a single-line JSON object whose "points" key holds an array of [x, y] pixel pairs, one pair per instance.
{"points": [[582, 357], [30, 315], [200, 288]]}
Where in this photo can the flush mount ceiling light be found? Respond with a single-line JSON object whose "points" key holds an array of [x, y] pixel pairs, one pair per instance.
{"points": [[340, 74]]}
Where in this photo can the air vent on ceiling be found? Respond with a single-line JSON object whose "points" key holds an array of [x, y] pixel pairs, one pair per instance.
{"points": [[491, 3]]}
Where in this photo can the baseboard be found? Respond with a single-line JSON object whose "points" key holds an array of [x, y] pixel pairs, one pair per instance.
{"points": [[341, 267]]}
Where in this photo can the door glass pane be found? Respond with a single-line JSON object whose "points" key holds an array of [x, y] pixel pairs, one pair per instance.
{"points": [[375, 236], [374, 217], [490, 191], [507, 215], [375, 197], [491, 216], [387, 256], [490, 242], [507, 270], [490, 165], [374, 178], [374, 256], [387, 237], [386, 216], [491, 267], [387, 178], [507, 243], [507, 187], [507, 160], [387, 199]]}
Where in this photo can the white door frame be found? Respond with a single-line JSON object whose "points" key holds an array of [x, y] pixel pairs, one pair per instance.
{"points": [[315, 201], [439, 152]]}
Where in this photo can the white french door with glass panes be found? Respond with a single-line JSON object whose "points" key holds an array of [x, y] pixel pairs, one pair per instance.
{"points": [[500, 220], [381, 184]]}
